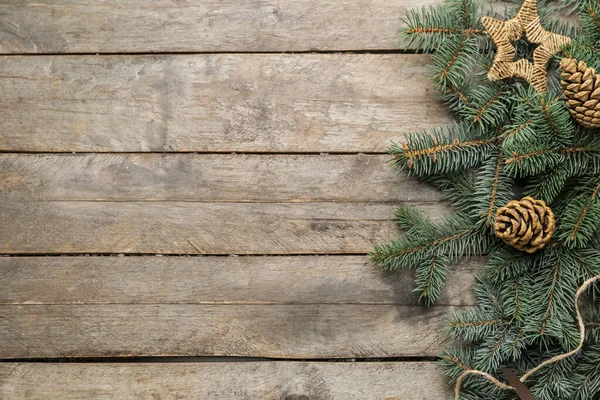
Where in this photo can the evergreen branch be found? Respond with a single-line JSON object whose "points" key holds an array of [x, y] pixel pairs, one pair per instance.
{"points": [[553, 128], [446, 31], [431, 248], [494, 193], [458, 92], [581, 219], [551, 294], [441, 151], [488, 108], [455, 361], [480, 112], [488, 296], [548, 185], [533, 162], [516, 130], [518, 158], [408, 217], [381, 256], [590, 20], [505, 264], [430, 278], [455, 145], [494, 188], [477, 324], [453, 61], [549, 314], [586, 48], [457, 188], [428, 28]]}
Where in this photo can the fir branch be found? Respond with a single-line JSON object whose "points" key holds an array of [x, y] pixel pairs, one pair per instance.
{"points": [[532, 162], [590, 20], [550, 296], [494, 188], [548, 185], [513, 131], [441, 151], [453, 61], [506, 264], [494, 191], [427, 28], [474, 324], [388, 254], [549, 314], [459, 92], [408, 217], [457, 188], [431, 277], [481, 111], [456, 362], [488, 108], [585, 49], [581, 219]]}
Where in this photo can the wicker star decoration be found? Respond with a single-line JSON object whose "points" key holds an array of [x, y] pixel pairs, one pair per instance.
{"points": [[527, 21]]}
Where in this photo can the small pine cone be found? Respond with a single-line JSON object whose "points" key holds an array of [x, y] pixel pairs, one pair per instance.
{"points": [[581, 86], [527, 224]]}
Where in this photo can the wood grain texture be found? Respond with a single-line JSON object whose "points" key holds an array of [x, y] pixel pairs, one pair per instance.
{"points": [[218, 381], [116, 26], [207, 177], [197, 228], [215, 103], [278, 331], [218, 280]]}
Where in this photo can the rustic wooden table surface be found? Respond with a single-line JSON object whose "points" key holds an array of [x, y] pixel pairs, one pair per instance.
{"points": [[188, 190]]}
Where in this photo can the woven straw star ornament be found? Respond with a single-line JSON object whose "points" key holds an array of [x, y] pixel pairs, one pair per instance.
{"points": [[503, 33]]}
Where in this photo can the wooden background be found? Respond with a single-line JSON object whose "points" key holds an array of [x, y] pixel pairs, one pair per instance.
{"points": [[188, 192]]}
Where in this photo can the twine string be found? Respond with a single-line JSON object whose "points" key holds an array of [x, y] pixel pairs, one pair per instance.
{"points": [[554, 359]]}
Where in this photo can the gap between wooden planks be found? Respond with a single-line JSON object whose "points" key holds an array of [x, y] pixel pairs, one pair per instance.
{"points": [[215, 103], [202, 204], [217, 381]]}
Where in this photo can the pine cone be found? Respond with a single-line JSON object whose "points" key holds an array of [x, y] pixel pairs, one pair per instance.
{"points": [[527, 224], [581, 86]]}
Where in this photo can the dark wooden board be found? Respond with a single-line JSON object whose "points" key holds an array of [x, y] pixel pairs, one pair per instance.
{"points": [[215, 103], [218, 381], [280, 331], [218, 280], [117, 26], [207, 178], [51, 227]]}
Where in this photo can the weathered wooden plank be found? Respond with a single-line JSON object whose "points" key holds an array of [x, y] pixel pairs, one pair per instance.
{"points": [[218, 381], [217, 280], [215, 103], [207, 177], [92, 26], [288, 331], [196, 228]]}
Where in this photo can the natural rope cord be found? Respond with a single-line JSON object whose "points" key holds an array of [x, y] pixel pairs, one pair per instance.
{"points": [[554, 359]]}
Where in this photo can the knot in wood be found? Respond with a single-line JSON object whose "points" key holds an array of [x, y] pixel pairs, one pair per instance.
{"points": [[296, 397]]}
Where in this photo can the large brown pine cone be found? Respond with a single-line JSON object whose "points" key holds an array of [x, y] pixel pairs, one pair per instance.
{"points": [[581, 86], [527, 224]]}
